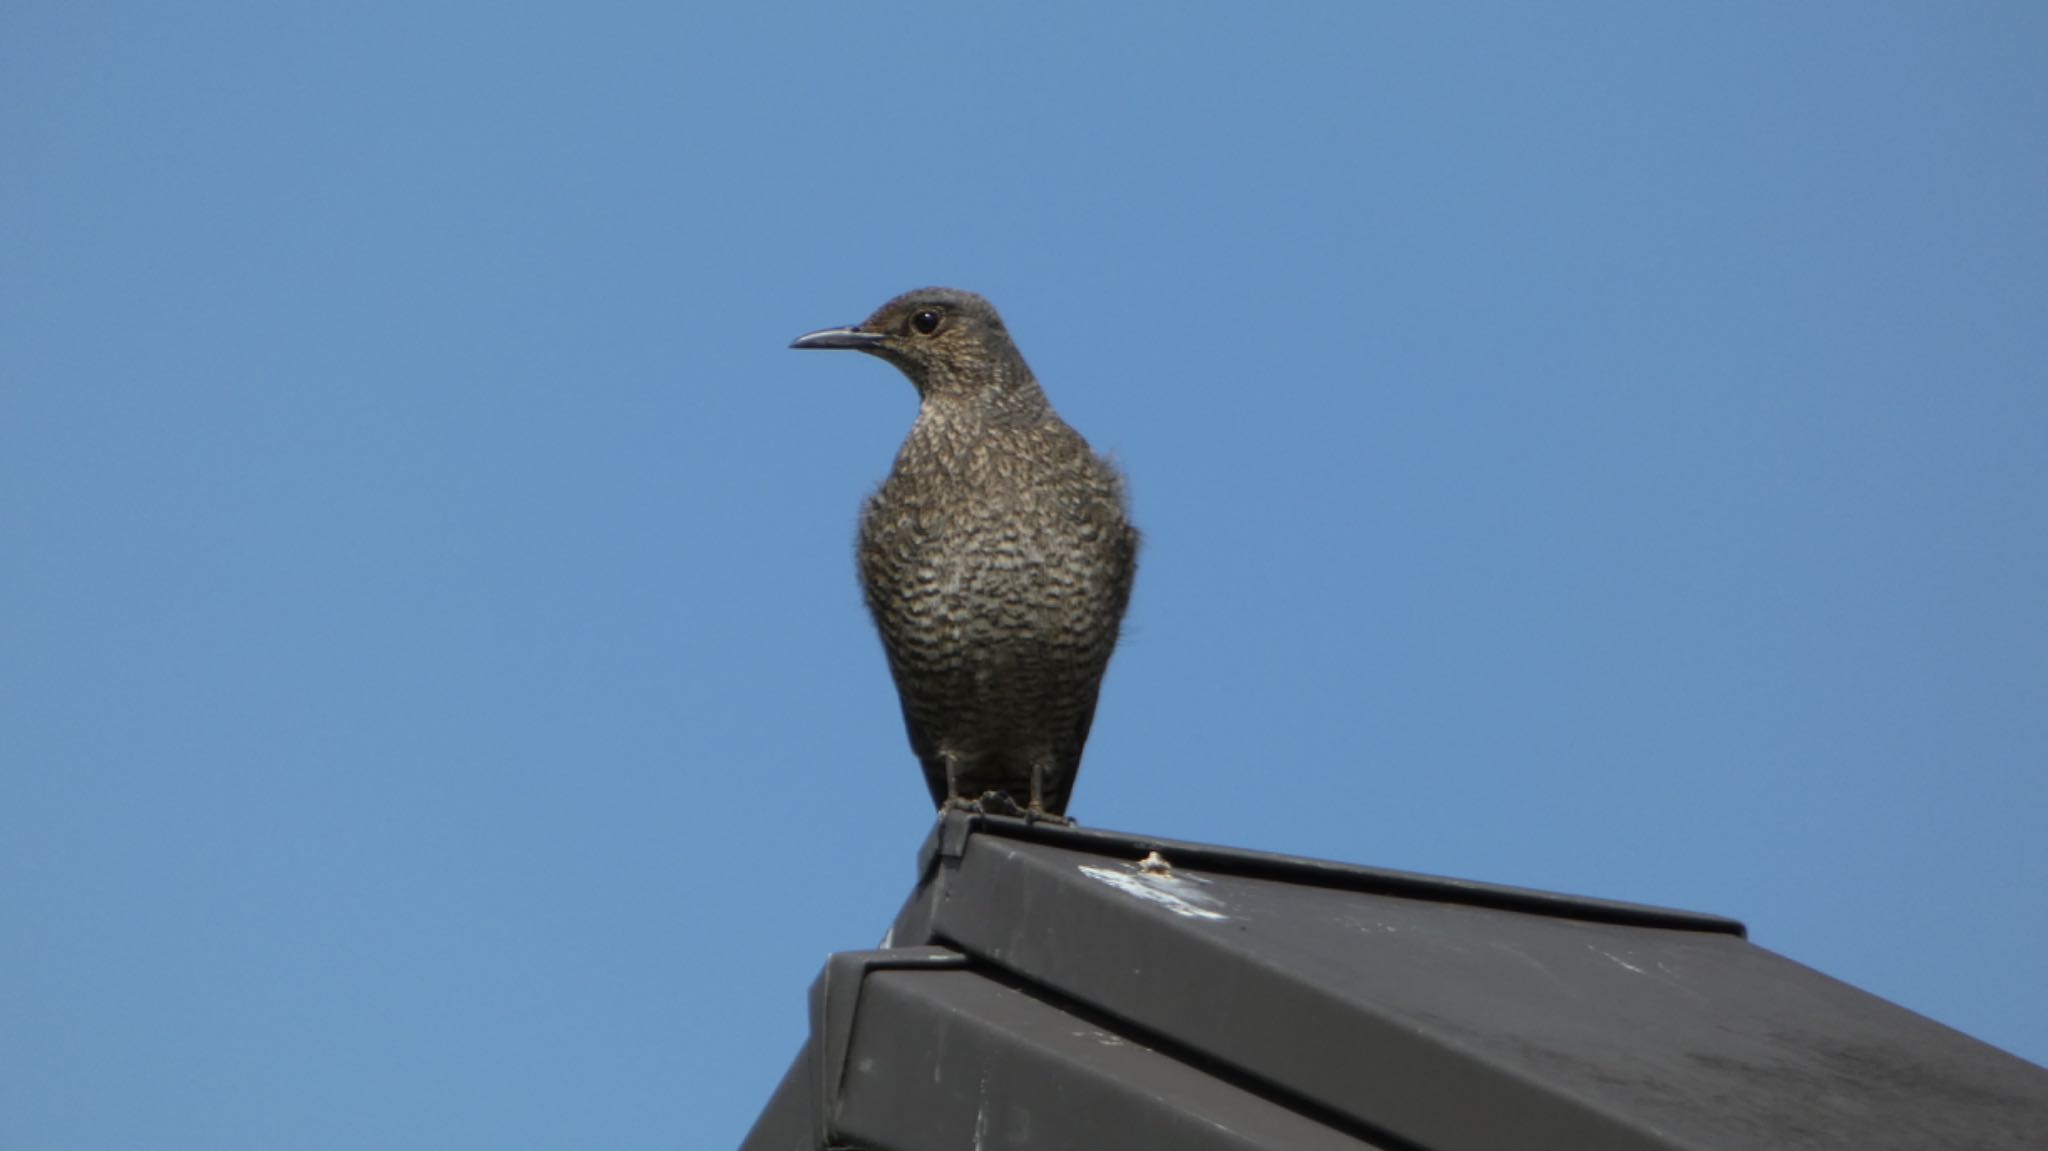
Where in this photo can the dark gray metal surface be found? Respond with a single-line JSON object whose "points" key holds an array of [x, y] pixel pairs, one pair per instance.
{"points": [[1378, 1008], [946, 1060], [948, 839]]}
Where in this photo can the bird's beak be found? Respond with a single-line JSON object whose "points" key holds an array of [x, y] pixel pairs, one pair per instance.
{"points": [[839, 338]]}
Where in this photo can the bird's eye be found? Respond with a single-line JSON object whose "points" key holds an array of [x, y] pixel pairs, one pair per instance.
{"points": [[925, 322]]}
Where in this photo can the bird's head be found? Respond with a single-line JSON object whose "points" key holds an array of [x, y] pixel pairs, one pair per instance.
{"points": [[948, 342]]}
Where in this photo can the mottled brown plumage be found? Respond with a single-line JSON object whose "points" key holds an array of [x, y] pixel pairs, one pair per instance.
{"points": [[996, 557]]}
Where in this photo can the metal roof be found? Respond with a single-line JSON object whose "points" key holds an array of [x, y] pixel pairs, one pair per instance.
{"points": [[1050, 987]]}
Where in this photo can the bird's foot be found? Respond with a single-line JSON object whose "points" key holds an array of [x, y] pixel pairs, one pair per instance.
{"points": [[998, 803], [1033, 812]]}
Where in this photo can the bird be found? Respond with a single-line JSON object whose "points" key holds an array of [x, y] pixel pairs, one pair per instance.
{"points": [[996, 559]]}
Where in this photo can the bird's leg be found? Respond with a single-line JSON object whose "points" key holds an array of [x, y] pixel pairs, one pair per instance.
{"points": [[1035, 812], [988, 803], [955, 801]]}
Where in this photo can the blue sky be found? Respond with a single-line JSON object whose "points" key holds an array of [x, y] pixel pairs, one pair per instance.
{"points": [[1592, 447]]}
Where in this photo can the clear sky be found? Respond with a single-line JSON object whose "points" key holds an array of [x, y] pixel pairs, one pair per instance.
{"points": [[1593, 447]]}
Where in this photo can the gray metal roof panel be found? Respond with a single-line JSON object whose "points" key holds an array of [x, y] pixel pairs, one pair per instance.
{"points": [[950, 835], [941, 1059], [1403, 1011]]}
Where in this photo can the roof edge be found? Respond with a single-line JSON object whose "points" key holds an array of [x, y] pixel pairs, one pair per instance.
{"points": [[948, 839]]}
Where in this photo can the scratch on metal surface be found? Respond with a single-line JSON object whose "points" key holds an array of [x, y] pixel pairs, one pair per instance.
{"points": [[1623, 962], [981, 1111], [1667, 974]]}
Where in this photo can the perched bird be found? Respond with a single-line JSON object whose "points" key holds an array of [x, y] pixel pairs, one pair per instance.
{"points": [[996, 558]]}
